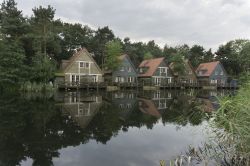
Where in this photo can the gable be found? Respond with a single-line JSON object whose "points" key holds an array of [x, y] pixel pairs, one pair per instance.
{"points": [[219, 71], [126, 68], [129, 62], [83, 56], [163, 64]]}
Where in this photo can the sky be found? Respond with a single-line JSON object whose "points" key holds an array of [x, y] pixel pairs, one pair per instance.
{"points": [[209, 23]]}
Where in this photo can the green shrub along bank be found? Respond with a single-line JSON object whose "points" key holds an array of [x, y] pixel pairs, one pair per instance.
{"points": [[234, 118], [37, 87]]}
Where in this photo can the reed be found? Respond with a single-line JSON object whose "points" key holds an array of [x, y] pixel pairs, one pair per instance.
{"points": [[232, 121]]}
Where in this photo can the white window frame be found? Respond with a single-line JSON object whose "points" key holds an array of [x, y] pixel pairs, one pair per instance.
{"points": [[130, 79], [75, 78], [84, 64]]}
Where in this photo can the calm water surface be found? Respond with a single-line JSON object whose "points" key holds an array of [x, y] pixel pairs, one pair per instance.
{"points": [[123, 128]]}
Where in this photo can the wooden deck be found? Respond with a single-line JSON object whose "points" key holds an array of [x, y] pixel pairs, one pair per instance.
{"points": [[105, 85]]}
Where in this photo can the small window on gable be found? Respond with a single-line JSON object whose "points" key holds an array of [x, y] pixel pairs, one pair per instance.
{"points": [[162, 70], [129, 69], [122, 68], [216, 73], [221, 73], [84, 64]]}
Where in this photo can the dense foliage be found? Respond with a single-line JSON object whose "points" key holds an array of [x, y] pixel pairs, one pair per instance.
{"points": [[24, 41], [233, 117]]}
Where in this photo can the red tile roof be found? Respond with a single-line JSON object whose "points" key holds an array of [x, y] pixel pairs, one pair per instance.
{"points": [[208, 68], [152, 65]]}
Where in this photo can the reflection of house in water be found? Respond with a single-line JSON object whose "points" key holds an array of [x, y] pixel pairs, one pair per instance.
{"points": [[207, 105], [125, 101], [81, 108], [209, 100], [155, 102], [147, 106]]}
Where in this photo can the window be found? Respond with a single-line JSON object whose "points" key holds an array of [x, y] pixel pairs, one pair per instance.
{"points": [[121, 106], [130, 79], [141, 70], [189, 72], [84, 64], [129, 69], [129, 106], [81, 64], [87, 65], [213, 81], [122, 68], [221, 73], [162, 70], [75, 78], [95, 78], [119, 79], [216, 73], [122, 79]]}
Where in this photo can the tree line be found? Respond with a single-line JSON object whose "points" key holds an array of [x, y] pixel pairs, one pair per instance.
{"points": [[32, 47]]}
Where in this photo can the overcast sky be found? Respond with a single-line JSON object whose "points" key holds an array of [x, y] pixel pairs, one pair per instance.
{"points": [[205, 22]]}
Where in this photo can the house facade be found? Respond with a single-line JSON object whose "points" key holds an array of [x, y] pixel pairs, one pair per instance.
{"points": [[80, 68], [125, 73], [154, 72], [211, 73], [187, 76]]}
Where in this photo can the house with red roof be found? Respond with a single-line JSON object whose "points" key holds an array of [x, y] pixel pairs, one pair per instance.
{"points": [[154, 72], [211, 73]]}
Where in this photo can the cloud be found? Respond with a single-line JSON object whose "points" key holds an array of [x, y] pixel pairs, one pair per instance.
{"points": [[205, 22]]}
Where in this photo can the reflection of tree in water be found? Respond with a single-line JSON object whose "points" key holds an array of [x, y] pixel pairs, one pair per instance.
{"points": [[184, 109], [37, 129]]}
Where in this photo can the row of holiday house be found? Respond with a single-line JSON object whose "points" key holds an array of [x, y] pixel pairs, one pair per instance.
{"points": [[81, 68]]}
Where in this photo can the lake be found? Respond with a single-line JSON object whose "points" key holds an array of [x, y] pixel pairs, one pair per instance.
{"points": [[124, 128]]}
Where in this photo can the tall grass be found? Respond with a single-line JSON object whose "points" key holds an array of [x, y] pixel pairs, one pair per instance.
{"points": [[233, 117]]}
